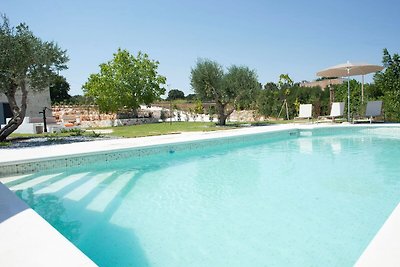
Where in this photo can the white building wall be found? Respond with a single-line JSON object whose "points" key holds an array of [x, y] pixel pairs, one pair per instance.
{"points": [[36, 101]]}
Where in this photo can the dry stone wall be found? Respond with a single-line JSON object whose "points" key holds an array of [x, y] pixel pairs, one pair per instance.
{"points": [[245, 116], [90, 116], [71, 113]]}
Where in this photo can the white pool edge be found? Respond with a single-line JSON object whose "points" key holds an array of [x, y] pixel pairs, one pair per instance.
{"points": [[382, 250], [26, 239]]}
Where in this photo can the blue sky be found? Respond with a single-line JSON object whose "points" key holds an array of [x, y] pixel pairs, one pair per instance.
{"points": [[271, 37]]}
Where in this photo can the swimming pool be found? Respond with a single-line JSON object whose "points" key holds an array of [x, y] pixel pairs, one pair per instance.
{"points": [[303, 198]]}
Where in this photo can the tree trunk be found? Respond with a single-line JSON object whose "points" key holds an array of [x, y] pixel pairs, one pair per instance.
{"points": [[221, 114], [18, 112]]}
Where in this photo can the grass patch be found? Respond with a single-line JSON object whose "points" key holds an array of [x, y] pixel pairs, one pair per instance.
{"points": [[5, 144], [164, 128], [152, 129]]}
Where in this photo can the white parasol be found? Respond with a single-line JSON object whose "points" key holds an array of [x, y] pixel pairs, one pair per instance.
{"points": [[350, 69]]}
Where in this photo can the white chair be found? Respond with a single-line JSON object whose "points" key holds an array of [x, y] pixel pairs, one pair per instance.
{"points": [[337, 110], [305, 111], [373, 110]]}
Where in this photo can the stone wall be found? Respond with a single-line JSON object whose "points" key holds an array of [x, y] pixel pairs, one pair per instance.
{"points": [[89, 116], [245, 116], [79, 113]]}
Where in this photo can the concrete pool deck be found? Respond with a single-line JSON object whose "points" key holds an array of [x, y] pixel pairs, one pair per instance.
{"points": [[382, 251]]}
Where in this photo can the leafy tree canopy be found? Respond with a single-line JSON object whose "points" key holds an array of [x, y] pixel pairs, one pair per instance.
{"points": [[191, 97], [242, 86], [175, 94], [59, 88], [26, 63], [81, 100], [207, 79], [125, 81], [285, 81], [227, 90], [271, 86]]}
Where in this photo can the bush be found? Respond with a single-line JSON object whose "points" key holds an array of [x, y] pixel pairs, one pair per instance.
{"points": [[388, 82], [163, 115], [73, 131]]}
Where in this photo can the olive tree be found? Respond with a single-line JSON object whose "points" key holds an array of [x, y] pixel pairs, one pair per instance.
{"points": [[228, 90], [26, 63], [125, 81]]}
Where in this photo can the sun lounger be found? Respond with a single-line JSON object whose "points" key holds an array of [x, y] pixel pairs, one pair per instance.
{"points": [[337, 111], [373, 110], [305, 112]]}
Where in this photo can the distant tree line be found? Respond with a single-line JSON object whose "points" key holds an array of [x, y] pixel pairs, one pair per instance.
{"points": [[239, 89], [268, 99]]}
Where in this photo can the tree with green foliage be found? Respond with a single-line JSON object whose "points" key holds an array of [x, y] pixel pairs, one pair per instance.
{"points": [[271, 86], [211, 112], [355, 96], [199, 109], [59, 88], [81, 100], [175, 94], [125, 81], [191, 97], [285, 81], [308, 95], [270, 99], [388, 81], [26, 63], [241, 83], [227, 90], [372, 92]]}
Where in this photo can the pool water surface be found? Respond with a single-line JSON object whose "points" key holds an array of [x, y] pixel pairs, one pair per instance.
{"points": [[313, 199]]}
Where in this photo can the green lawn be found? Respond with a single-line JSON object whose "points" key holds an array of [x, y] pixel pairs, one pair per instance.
{"points": [[177, 127], [164, 128], [149, 129]]}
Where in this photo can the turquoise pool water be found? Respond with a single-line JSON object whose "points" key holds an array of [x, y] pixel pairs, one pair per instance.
{"points": [[314, 198]]}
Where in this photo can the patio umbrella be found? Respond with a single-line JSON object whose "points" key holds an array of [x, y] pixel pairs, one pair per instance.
{"points": [[350, 69]]}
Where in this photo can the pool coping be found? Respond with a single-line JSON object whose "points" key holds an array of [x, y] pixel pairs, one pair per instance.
{"points": [[381, 250], [33, 154], [28, 240], [23, 155]]}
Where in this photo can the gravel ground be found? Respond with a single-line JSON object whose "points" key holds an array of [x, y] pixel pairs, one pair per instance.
{"points": [[46, 141]]}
